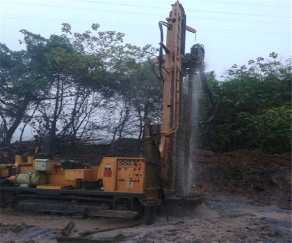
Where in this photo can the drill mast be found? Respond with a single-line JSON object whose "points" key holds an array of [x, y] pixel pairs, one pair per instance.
{"points": [[172, 64]]}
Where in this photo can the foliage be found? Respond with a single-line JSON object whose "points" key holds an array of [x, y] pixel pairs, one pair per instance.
{"points": [[72, 81], [22, 88], [92, 85], [254, 107], [275, 129]]}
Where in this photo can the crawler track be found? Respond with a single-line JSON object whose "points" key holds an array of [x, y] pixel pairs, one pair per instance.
{"points": [[79, 203], [76, 206]]}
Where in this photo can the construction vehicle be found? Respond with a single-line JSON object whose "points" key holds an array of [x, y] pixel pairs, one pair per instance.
{"points": [[122, 187]]}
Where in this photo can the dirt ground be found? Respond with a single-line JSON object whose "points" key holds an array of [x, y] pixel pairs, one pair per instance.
{"points": [[253, 174], [222, 218], [247, 199]]}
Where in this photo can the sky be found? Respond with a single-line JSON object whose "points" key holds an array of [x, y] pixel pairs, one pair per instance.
{"points": [[233, 31]]}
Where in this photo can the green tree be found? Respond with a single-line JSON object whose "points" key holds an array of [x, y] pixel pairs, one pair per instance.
{"points": [[69, 81], [274, 129], [22, 88], [246, 97]]}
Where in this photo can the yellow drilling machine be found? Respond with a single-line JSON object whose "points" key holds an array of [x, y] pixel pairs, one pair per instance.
{"points": [[122, 187]]}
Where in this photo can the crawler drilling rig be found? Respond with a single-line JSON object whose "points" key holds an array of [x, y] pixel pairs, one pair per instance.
{"points": [[123, 186]]}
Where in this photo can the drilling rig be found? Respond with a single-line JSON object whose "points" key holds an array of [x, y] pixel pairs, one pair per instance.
{"points": [[178, 90], [124, 187]]}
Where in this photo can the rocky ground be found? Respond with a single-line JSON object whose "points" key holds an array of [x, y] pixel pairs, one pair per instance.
{"points": [[247, 199]]}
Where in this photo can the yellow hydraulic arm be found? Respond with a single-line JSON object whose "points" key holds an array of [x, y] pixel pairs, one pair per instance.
{"points": [[171, 62]]}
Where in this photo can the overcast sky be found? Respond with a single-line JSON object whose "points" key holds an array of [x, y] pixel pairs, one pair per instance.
{"points": [[233, 31]]}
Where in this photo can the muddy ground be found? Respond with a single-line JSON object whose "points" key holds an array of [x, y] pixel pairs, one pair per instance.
{"points": [[222, 218], [247, 199]]}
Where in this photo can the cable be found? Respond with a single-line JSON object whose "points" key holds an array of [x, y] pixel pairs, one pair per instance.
{"points": [[160, 57], [195, 17], [247, 4], [266, 22], [139, 27], [134, 5], [78, 8], [73, 20], [191, 10], [245, 32], [213, 107], [190, 17], [262, 15]]}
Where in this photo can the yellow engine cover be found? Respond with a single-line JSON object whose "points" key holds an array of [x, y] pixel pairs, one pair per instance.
{"points": [[122, 174], [4, 172], [84, 174]]}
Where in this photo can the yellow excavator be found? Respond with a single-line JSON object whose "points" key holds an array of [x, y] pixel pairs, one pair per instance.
{"points": [[123, 187]]}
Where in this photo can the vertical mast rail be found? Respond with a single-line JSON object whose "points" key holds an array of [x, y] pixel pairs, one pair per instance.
{"points": [[171, 95]]}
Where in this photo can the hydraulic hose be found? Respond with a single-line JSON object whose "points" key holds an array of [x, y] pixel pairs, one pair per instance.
{"points": [[213, 108], [160, 57]]}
